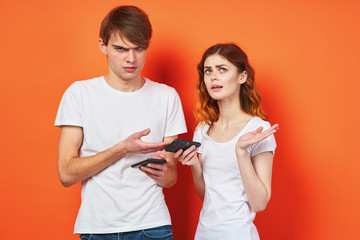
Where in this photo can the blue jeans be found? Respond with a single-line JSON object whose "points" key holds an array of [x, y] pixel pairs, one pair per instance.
{"points": [[160, 233]]}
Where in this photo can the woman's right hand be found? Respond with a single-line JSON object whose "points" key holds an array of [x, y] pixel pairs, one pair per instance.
{"points": [[188, 157]]}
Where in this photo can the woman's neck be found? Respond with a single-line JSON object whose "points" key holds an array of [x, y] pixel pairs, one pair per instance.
{"points": [[231, 114]]}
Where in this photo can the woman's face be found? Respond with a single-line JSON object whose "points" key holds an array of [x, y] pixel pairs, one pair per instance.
{"points": [[222, 78]]}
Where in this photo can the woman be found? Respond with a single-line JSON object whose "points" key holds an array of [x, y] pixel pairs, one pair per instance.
{"points": [[232, 168]]}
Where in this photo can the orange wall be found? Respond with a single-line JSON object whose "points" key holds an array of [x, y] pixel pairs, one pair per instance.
{"points": [[306, 55]]}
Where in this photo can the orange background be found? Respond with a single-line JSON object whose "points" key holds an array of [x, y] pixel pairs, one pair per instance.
{"points": [[306, 55]]}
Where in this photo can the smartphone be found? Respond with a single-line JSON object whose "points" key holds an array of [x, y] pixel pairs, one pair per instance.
{"points": [[149, 160], [177, 144]]}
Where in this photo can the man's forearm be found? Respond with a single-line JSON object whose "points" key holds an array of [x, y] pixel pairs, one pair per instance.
{"points": [[76, 169]]}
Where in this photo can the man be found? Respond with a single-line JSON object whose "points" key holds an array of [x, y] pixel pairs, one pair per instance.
{"points": [[111, 122]]}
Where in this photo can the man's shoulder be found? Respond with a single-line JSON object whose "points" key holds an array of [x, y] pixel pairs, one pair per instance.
{"points": [[84, 84], [92, 81], [159, 86]]}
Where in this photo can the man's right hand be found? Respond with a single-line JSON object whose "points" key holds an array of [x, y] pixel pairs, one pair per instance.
{"points": [[134, 144]]}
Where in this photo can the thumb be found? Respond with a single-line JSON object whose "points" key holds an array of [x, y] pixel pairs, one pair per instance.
{"points": [[143, 133], [259, 129]]}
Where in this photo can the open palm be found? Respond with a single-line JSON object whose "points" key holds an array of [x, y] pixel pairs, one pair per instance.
{"points": [[253, 137]]}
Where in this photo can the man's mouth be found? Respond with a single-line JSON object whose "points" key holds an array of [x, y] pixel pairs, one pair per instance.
{"points": [[130, 69]]}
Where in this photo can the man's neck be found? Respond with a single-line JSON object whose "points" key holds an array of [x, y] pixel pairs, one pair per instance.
{"points": [[124, 85]]}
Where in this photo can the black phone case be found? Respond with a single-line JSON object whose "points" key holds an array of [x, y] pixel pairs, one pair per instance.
{"points": [[177, 144], [149, 160]]}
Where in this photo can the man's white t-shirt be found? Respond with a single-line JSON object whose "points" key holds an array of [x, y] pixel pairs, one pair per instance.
{"points": [[120, 198], [226, 213]]}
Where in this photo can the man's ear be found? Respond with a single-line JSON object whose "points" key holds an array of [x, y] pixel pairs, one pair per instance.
{"points": [[243, 77], [103, 46]]}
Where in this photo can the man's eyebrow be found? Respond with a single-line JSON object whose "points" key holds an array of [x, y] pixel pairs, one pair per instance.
{"points": [[118, 46]]}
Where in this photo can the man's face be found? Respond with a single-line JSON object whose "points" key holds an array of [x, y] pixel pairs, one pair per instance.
{"points": [[125, 59]]}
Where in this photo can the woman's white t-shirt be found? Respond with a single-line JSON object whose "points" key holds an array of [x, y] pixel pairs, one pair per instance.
{"points": [[226, 213]]}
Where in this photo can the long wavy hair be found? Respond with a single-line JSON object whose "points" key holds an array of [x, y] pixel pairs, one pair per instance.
{"points": [[207, 109]]}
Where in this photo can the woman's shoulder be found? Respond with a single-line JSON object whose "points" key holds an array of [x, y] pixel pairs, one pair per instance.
{"points": [[201, 130], [256, 122]]}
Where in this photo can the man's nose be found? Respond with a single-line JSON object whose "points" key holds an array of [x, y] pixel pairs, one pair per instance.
{"points": [[131, 56]]}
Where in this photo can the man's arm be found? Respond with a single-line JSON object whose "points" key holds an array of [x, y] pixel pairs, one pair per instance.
{"points": [[165, 175], [73, 169]]}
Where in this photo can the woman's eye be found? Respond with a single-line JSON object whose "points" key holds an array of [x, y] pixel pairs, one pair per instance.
{"points": [[207, 71], [222, 70]]}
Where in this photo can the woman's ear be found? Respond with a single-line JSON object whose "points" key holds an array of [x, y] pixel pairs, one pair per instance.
{"points": [[243, 77], [103, 46]]}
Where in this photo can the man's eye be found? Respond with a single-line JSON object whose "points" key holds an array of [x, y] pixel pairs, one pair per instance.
{"points": [[139, 48], [121, 49]]}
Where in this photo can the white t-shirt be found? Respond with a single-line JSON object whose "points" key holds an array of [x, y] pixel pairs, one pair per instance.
{"points": [[120, 198], [226, 213]]}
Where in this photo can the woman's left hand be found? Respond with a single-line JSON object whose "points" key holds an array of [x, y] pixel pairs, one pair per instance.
{"points": [[256, 136]]}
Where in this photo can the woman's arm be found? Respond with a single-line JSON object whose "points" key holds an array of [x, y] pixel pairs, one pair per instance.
{"points": [[198, 178], [256, 177], [191, 158], [256, 174]]}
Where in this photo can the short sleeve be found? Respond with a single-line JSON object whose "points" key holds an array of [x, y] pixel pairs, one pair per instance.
{"points": [[266, 145], [198, 136], [70, 109], [175, 116]]}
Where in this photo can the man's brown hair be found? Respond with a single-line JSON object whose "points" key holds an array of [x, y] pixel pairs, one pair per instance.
{"points": [[130, 22]]}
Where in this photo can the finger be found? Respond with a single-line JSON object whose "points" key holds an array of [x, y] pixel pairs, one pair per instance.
{"points": [[142, 133], [273, 127], [153, 176], [157, 167], [264, 135], [145, 132], [189, 150], [192, 161], [150, 174], [154, 170], [188, 153], [153, 147], [155, 144], [259, 129], [178, 153], [188, 157], [159, 154], [271, 130], [149, 167]]}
